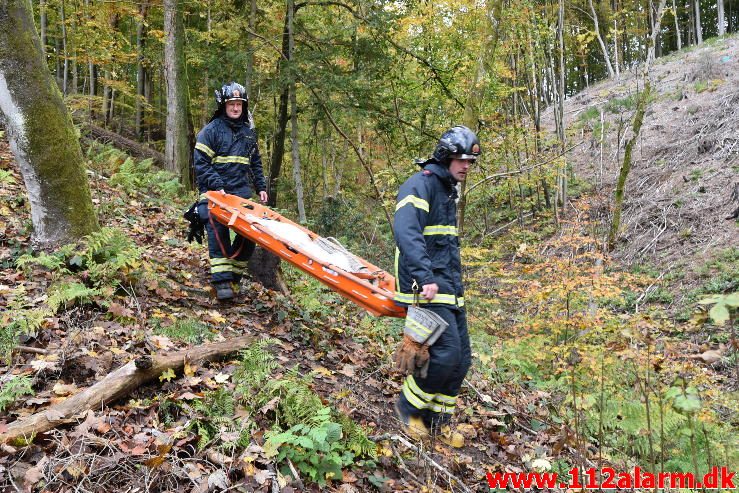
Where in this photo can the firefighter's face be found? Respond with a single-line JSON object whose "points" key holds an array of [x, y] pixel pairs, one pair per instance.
{"points": [[459, 168], [234, 109]]}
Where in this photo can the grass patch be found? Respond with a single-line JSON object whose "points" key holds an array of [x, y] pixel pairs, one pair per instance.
{"points": [[188, 330]]}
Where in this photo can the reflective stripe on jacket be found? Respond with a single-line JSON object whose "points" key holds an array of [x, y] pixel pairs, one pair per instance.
{"points": [[226, 156], [425, 229]]}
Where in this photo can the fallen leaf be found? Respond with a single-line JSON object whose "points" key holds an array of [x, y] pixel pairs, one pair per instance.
{"points": [[216, 317], [33, 476], [270, 405], [120, 311], [167, 375], [161, 342], [62, 389], [218, 480], [39, 365], [323, 371], [222, 378], [262, 476]]}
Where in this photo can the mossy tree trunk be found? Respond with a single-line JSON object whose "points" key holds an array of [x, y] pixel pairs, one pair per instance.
{"points": [[41, 133], [177, 145], [636, 125]]}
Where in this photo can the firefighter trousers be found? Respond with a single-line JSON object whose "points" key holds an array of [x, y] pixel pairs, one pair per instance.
{"points": [[231, 266], [434, 398]]}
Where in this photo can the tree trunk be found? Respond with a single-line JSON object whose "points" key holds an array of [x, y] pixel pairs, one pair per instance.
{"points": [[42, 136], [677, 27], [721, 17], [598, 36], [73, 50], [177, 146], [250, 47], [65, 73], [118, 384], [615, 49], [626, 167], [294, 142], [44, 23], [561, 99], [278, 145], [140, 28], [698, 28]]}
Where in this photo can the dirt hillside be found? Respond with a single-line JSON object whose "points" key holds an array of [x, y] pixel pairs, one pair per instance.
{"points": [[683, 191]]}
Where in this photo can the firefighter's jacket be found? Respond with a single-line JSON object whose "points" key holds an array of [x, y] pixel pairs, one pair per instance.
{"points": [[426, 237], [226, 157]]}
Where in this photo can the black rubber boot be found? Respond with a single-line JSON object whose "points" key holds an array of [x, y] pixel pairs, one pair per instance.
{"points": [[224, 291]]}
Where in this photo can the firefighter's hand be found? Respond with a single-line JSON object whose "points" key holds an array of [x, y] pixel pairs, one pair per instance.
{"points": [[263, 197], [429, 291], [411, 356]]}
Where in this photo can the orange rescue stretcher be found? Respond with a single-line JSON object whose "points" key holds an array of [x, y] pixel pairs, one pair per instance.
{"points": [[363, 283]]}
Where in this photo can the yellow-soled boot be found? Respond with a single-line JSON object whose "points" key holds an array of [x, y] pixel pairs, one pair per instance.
{"points": [[450, 437], [412, 425]]}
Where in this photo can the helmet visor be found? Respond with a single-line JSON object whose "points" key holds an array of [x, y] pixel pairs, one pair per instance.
{"points": [[469, 157]]}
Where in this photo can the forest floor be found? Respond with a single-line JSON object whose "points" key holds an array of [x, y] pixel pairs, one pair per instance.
{"points": [[167, 435]]}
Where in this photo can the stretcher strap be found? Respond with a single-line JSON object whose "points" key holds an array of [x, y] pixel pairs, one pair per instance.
{"points": [[220, 243]]}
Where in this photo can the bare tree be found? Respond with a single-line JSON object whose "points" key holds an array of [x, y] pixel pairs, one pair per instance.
{"points": [[598, 36], [140, 72], [677, 27], [636, 125], [698, 28], [294, 140], [721, 18], [41, 133]]}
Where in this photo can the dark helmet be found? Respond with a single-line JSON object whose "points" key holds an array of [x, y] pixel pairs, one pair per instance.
{"points": [[231, 92], [457, 143]]}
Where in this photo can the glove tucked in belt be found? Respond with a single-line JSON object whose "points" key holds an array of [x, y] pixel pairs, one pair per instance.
{"points": [[197, 228], [422, 328]]}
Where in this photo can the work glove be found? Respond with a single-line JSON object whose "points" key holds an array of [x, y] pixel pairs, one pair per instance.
{"points": [[197, 228], [412, 357], [422, 328]]}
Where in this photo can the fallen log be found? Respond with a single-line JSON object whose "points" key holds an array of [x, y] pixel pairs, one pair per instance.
{"points": [[116, 385], [133, 148]]}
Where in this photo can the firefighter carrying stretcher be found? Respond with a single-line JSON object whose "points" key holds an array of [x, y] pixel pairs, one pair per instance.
{"points": [[429, 274], [226, 158]]}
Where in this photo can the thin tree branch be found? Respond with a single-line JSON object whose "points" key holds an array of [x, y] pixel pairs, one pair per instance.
{"points": [[520, 171]]}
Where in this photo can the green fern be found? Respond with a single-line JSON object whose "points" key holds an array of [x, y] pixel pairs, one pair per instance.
{"points": [[70, 294], [6, 177], [51, 262], [110, 255], [19, 319], [14, 388]]}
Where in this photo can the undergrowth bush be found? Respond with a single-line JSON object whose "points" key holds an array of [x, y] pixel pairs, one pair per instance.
{"points": [[575, 335], [81, 273], [318, 440], [132, 176]]}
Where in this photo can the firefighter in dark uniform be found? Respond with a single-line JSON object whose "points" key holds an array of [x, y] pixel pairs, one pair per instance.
{"points": [[429, 270], [227, 159]]}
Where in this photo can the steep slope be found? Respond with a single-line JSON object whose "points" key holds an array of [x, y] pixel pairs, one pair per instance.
{"points": [[684, 183]]}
